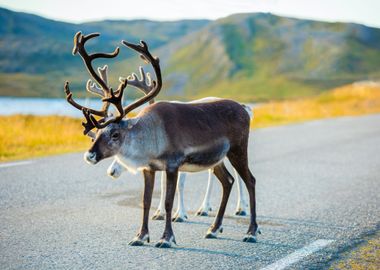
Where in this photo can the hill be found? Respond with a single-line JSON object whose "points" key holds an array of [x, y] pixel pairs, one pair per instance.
{"points": [[35, 52], [250, 57], [263, 56]]}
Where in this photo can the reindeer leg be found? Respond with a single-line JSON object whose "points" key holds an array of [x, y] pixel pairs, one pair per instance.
{"points": [[143, 235], [159, 214], [206, 206], [180, 215], [242, 205], [227, 181], [239, 161], [168, 237]]}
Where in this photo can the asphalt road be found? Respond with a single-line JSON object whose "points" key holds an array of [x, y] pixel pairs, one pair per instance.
{"points": [[317, 194]]}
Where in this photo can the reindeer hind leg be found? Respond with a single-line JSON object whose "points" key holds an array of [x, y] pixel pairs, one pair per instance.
{"points": [[227, 181], [239, 160]]}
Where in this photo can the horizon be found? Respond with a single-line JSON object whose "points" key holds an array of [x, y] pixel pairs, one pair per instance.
{"points": [[350, 14]]}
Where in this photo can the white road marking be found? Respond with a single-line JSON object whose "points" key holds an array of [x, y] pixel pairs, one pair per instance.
{"points": [[298, 255], [13, 164]]}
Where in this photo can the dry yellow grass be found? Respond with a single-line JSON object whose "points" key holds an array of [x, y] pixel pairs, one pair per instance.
{"points": [[350, 100], [366, 257], [33, 136]]}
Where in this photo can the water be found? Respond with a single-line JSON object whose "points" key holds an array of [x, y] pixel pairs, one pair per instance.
{"points": [[51, 106], [44, 106]]}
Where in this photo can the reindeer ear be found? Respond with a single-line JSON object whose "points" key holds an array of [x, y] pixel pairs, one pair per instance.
{"points": [[131, 122]]}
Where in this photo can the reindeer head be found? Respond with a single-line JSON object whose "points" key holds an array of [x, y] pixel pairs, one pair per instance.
{"points": [[112, 131]]}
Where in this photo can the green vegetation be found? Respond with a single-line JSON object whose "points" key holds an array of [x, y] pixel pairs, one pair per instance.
{"points": [[266, 57], [249, 57]]}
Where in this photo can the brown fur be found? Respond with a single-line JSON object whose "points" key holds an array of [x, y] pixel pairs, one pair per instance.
{"points": [[196, 125]]}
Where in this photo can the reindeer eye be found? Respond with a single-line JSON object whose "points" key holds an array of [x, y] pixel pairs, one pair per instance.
{"points": [[115, 136]]}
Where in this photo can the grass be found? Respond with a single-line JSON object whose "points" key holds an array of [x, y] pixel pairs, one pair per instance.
{"points": [[365, 257], [34, 136], [349, 100]]}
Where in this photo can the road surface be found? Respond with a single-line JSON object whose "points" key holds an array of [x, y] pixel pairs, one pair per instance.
{"points": [[317, 195]]}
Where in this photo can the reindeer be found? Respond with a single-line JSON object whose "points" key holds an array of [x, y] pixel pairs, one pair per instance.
{"points": [[144, 84], [170, 137]]}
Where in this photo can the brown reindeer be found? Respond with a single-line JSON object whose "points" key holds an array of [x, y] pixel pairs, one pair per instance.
{"points": [[170, 137]]}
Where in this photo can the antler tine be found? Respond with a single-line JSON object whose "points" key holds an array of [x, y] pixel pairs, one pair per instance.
{"points": [[79, 47], [69, 98], [142, 48], [117, 101], [88, 125], [144, 84], [93, 87]]}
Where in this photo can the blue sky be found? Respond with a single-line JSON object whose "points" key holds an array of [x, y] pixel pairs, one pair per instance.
{"points": [[359, 11]]}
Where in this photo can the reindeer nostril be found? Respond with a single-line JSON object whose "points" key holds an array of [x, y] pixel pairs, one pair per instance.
{"points": [[90, 157]]}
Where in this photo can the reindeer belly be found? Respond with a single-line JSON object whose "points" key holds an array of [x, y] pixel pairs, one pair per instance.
{"points": [[204, 157]]}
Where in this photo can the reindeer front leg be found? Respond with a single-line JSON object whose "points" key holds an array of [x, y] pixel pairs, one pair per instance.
{"points": [[159, 214], [143, 235], [171, 183], [206, 206], [115, 169], [180, 215]]}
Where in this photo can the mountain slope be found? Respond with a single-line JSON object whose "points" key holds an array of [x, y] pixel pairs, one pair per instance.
{"points": [[250, 57], [33, 44], [35, 53], [262, 56]]}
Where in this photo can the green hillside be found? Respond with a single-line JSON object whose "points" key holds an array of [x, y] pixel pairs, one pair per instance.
{"points": [[251, 57], [262, 56], [35, 53]]}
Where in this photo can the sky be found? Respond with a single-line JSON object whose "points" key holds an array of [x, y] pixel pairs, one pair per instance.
{"points": [[76, 11]]}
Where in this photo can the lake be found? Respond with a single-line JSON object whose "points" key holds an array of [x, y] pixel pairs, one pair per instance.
{"points": [[44, 106], [48, 106]]}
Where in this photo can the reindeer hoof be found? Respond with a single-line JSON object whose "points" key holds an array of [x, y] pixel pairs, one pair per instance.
{"points": [[164, 243], [202, 213], [139, 241], [240, 213], [178, 219], [212, 235], [249, 238], [158, 217], [136, 243]]}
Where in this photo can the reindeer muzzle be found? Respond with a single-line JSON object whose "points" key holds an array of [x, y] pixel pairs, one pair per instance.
{"points": [[90, 157]]}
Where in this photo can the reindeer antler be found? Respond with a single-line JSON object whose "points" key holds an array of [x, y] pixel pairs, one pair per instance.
{"points": [[144, 84], [142, 48], [100, 87], [93, 87]]}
